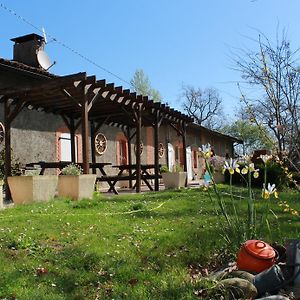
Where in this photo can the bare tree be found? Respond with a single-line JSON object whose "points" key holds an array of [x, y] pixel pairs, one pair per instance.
{"points": [[203, 105], [273, 71]]}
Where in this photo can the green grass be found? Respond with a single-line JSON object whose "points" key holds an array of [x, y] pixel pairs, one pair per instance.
{"points": [[124, 247]]}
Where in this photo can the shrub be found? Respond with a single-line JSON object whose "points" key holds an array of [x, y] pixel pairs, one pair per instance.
{"points": [[177, 168], [275, 175], [216, 163], [15, 165], [295, 177], [71, 169], [164, 169]]}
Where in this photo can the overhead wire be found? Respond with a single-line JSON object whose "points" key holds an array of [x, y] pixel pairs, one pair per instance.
{"points": [[63, 44]]}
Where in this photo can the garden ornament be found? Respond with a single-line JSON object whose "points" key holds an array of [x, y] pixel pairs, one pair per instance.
{"points": [[255, 256]]}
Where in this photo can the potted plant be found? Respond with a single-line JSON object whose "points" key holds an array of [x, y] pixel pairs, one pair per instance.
{"points": [[15, 171], [175, 179], [73, 184], [32, 187]]}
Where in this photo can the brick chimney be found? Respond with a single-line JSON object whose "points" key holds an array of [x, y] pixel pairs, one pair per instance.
{"points": [[26, 48]]}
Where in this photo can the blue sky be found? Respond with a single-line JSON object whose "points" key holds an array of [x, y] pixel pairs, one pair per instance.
{"points": [[175, 42]]}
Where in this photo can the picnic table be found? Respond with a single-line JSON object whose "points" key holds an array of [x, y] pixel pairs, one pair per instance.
{"points": [[62, 164], [128, 172]]}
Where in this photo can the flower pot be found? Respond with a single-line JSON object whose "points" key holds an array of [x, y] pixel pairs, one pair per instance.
{"points": [[28, 189], [76, 186], [174, 180]]}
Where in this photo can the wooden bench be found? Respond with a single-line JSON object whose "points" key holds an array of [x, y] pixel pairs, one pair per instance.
{"points": [[113, 179]]}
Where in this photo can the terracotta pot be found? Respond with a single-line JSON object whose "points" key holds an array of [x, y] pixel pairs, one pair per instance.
{"points": [[255, 256]]}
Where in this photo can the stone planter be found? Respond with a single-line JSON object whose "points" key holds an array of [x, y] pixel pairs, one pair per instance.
{"points": [[76, 186], [219, 177], [28, 189], [174, 180]]}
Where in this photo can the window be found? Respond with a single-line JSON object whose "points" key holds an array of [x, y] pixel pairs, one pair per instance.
{"points": [[123, 158], [65, 147], [195, 159], [179, 155]]}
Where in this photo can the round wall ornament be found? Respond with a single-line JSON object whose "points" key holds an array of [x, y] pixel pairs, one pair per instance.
{"points": [[100, 143], [161, 150], [141, 148]]}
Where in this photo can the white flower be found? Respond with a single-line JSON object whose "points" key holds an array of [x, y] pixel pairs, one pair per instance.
{"points": [[206, 151], [265, 158], [250, 168], [267, 192], [231, 166]]}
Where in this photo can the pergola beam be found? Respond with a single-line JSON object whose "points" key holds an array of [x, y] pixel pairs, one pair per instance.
{"points": [[59, 82]]}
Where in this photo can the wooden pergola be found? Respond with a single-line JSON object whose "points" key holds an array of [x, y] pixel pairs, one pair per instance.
{"points": [[82, 100]]}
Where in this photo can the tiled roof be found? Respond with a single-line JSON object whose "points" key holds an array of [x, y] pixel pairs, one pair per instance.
{"points": [[22, 67], [214, 132]]}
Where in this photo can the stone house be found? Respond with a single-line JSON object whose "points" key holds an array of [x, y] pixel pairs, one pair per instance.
{"points": [[41, 136]]}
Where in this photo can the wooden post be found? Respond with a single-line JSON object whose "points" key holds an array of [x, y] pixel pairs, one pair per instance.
{"points": [[138, 148], [7, 167], [156, 157], [129, 154], [93, 150], [85, 132]]}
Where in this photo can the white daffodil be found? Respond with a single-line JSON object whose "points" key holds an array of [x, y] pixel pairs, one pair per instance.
{"points": [[267, 192], [250, 168], [232, 166], [206, 151], [265, 158]]}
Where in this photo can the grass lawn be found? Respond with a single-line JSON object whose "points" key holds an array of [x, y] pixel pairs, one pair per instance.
{"points": [[124, 247]]}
